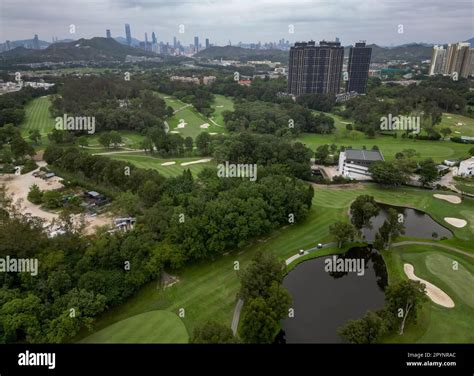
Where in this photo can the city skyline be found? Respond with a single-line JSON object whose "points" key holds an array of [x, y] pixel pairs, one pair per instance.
{"points": [[246, 21]]}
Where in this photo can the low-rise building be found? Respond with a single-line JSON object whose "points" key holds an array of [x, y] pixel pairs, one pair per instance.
{"points": [[466, 167], [449, 163], [354, 163]]}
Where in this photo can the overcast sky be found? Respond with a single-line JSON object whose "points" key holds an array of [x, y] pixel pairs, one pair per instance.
{"points": [[376, 21]]}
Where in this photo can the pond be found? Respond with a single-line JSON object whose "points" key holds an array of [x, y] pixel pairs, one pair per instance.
{"points": [[324, 301], [417, 224]]}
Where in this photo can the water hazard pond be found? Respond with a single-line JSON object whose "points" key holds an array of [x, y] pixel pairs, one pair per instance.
{"points": [[324, 301]]}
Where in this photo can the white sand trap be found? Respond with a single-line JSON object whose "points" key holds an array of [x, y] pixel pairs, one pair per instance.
{"points": [[449, 117], [205, 125], [450, 198], [437, 295], [212, 133], [198, 161], [168, 163], [457, 132], [174, 131], [181, 125], [456, 222], [220, 106]]}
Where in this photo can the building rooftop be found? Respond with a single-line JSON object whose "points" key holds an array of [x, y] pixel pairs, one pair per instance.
{"points": [[364, 155]]}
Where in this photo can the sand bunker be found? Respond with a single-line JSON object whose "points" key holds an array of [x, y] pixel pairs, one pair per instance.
{"points": [[168, 163], [456, 222], [450, 198], [174, 131], [212, 133], [205, 125], [437, 295], [181, 125], [198, 161]]}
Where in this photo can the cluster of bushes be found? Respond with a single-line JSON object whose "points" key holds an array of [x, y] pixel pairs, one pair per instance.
{"points": [[277, 119]]}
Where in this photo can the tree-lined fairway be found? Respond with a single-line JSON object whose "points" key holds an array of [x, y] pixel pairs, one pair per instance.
{"points": [[149, 162], [389, 146], [148, 327], [460, 125], [185, 113], [38, 117], [208, 289], [221, 104]]}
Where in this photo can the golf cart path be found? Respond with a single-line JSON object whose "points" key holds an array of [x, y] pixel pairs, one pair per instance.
{"points": [[236, 317]]}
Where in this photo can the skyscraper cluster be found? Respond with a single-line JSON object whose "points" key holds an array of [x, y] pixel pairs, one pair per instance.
{"points": [[457, 58], [315, 69], [318, 68]]}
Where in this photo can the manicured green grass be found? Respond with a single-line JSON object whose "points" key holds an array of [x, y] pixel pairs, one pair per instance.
{"points": [[221, 104], [465, 185], [149, 162], [460, 125], [207, 290], [38, 117], [389, 146], [436, 323], [149, 327], [191, 117]]}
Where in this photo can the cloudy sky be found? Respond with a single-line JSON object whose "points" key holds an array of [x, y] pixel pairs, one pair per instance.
{"points": [[377, 21]]}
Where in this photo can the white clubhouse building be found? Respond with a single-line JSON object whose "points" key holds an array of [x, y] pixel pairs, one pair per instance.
{"points": [[466, 168], [355, 163]]}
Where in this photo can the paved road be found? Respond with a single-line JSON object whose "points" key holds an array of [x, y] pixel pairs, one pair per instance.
{"points": [[449, 248], [289, 260]]}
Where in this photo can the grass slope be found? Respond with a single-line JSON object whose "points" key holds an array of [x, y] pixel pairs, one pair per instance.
{"points": [[146, 162], [460, 125], [149, 327], [38, 117], [389, 146]]}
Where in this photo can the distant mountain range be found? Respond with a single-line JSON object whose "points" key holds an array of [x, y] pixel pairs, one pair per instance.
{"points": [[409, 52], [95, 49], [104, 49]]}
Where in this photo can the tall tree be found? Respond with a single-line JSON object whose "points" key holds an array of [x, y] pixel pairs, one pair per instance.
{"points": [[363, 209], [343, 232], [403, 301]]}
